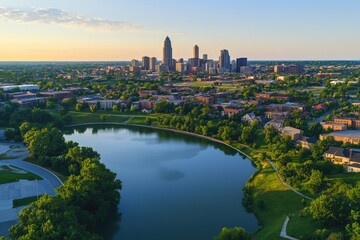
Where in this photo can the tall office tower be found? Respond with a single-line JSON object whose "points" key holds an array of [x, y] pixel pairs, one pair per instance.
{"points": [[146, 63], [224, 60], [134, 63], [153, 62], [240, 62], [196, 51], [167, 53], [205, 57]]}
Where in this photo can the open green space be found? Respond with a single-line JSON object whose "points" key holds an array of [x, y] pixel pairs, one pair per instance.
{"points": [[84, 117], [24, 201], [12, 174], [301, 225], [278, 202]]}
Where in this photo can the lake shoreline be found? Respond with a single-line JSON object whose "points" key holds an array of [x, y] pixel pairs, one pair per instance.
{"points": [[243, 154]]}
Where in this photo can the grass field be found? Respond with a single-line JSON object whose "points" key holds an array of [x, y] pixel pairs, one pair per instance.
{"points": [[279, 202], [12, 174], [24, 201], [84, 117]]}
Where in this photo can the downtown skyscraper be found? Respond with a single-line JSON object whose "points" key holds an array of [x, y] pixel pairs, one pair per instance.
{"points": [[167, 53], [224, 59]]}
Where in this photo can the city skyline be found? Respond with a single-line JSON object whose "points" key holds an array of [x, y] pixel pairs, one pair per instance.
{"points": [[123, 30]]}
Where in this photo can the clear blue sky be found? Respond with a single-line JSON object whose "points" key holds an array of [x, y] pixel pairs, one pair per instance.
{"points": [[124, 29]]}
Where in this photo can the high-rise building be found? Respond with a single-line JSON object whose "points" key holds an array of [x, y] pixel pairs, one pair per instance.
{"points": [[153, 62], [134, 63], [146, 63], [205, 57], [167, 53], [224, 60], [240, 62], [196, 51]]}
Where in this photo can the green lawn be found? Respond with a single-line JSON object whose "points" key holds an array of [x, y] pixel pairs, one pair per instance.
{"points": [[84, 117], [300, 225], [137, 120], [279, 202], [12, 174], [24, 201]]}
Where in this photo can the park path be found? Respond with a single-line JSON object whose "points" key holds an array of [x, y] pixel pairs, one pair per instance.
{"points": [[283, 230], [23, 188]]}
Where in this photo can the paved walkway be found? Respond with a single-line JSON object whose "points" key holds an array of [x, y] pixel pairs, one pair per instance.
{"points": [[23, 188], [283, 230]]}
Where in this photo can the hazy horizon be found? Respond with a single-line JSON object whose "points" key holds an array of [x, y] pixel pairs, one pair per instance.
{"points": [[42, 30]]}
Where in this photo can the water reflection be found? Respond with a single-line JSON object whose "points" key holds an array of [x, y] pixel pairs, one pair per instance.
{"points": [[172, 183]]}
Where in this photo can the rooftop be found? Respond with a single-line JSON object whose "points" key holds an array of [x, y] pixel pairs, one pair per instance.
{"points": [[354, 134]]}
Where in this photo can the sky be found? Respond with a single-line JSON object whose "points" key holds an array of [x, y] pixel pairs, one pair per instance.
{"points": [[115, 30]]}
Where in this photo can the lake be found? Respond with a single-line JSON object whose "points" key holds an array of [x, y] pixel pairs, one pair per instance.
{"points": [[175, 186]]}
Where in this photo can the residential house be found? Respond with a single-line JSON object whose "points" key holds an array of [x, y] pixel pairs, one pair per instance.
{"points": [[249, 118], [350, 158], [306, 142], [277, 124]]}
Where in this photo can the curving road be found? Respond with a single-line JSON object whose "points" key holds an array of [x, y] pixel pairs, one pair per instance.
{"points": [[21, 189]]}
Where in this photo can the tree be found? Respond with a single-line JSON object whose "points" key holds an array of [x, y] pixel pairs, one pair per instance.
{"points": [[330, 210], [236, 233], [270, 134], [164, 107], [94, 192], [44, 143], [315, 182], [49, 218]]}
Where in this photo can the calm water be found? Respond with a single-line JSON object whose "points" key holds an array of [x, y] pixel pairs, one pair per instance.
{"points": [[175, 187]]}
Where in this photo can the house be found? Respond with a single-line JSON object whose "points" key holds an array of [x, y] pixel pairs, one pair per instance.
{"points": [[277, 124], [320, 107], [230, 111], [249, 118], [306, 142], [350, 158], [294, 133], [338, 155]]}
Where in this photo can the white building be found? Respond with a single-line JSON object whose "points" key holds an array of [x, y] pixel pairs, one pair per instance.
{"points": [[25, 87]]}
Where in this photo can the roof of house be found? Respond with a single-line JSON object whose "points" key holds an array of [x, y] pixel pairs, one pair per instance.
{"points": [[354, 134], [290, 130], [338, 151]]}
